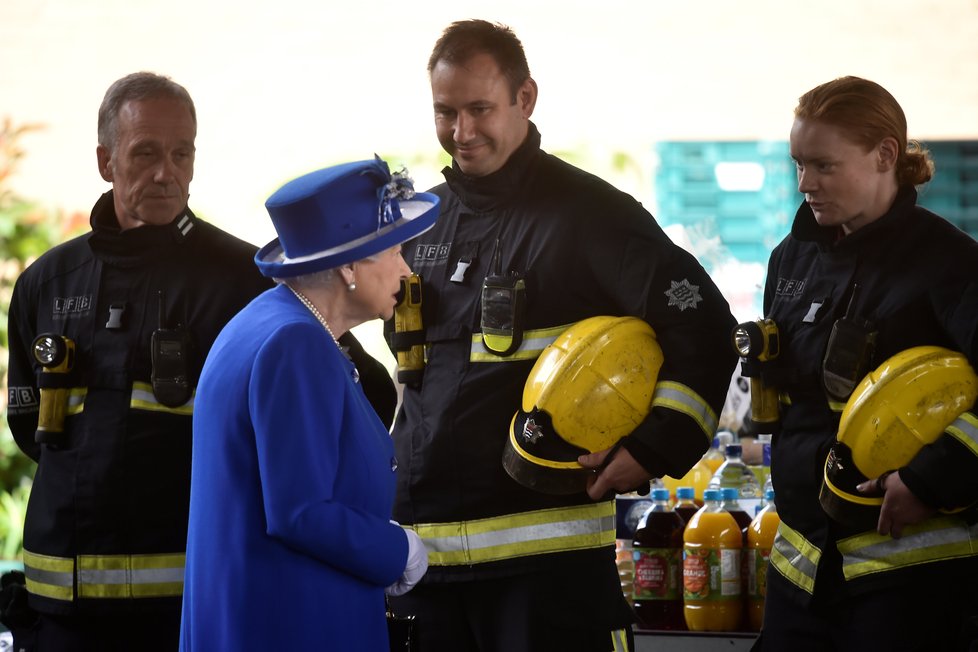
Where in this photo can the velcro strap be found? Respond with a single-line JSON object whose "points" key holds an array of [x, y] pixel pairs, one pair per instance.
{"points": [[54, 381], [407, 339]]}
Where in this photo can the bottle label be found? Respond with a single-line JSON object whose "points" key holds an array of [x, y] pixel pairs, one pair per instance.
{"points": [[757, 567], [657, 573], [711, 574], [730, 575]]}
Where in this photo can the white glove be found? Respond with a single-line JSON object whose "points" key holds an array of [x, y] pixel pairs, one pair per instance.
{"points": [[417, 565]]}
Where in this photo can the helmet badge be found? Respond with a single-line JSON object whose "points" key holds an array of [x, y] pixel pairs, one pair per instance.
{"points": [[532, 433]]}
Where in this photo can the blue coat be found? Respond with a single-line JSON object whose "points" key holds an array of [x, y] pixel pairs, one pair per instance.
{"points": [[290, 545]]}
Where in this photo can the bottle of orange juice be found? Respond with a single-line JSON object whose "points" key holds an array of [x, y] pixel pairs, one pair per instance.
{"points": [[760, 539], [712, 544], [697, 477], [716, 456]]}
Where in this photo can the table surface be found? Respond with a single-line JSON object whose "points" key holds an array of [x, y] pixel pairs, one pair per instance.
{"points": [[662, 641]]}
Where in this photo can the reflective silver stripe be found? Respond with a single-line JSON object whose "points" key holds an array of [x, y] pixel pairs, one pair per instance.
{"points": [[105, 576], [681, 398], [129, 576], [533, 344], [51, 577], [185, 224], [55, 578], [933, 540], [143, 399], [519, 535], [965, 430], [75, 401], [795, 557]]}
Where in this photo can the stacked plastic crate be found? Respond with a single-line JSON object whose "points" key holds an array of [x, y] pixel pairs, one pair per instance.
{"points": [[744, 192], [953, 192]]}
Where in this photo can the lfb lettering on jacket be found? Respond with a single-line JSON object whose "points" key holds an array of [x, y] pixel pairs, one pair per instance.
{"points": [[21, 398], [65, 306], [431, 254], [790, 287]]}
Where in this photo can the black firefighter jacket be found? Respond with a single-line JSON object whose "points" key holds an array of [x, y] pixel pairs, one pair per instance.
{"points": [[583, 249], [914, 277], [107, 518]]}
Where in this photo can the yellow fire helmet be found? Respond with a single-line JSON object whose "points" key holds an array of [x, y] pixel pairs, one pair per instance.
{"points": [[587, 390], [896, 410]]}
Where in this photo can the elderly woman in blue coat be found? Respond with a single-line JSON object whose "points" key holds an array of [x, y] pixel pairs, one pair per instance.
{"points": [[290, 544]]}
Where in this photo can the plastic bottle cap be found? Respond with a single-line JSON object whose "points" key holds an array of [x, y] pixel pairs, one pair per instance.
{"points": [[685, 492], [729, 493], [769, 494], [660, 494], [711, 494], [734, 450]]}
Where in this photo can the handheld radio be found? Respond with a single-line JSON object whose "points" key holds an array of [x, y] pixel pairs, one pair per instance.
{"points": [[503, 305], [848, 354], [169, 352]]}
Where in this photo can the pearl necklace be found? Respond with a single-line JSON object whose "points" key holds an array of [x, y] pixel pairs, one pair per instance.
{"points": [[322, 320]]}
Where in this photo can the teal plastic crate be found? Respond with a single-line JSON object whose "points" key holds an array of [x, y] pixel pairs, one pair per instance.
{"points": [[744, 192], [953, 192]]}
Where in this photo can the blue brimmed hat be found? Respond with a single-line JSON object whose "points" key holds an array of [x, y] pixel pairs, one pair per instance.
{"points": [[342, 214]]}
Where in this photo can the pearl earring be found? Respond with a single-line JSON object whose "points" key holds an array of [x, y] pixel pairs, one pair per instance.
{"points": [[352, 286]]}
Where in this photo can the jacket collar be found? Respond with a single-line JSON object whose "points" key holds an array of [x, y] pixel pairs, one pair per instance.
{"points": [[135, 246], [806, 229], [497, 189]]}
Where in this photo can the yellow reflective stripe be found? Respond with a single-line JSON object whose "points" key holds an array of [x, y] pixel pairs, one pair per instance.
{"points": [[519, 535], [130, 576], [533, 344], [619, 641], [105, 576], [51, 577], [795, 557], [143, 399], [681, 398], [933, 540], [965, 430], [835, 406], [76, 401]]}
